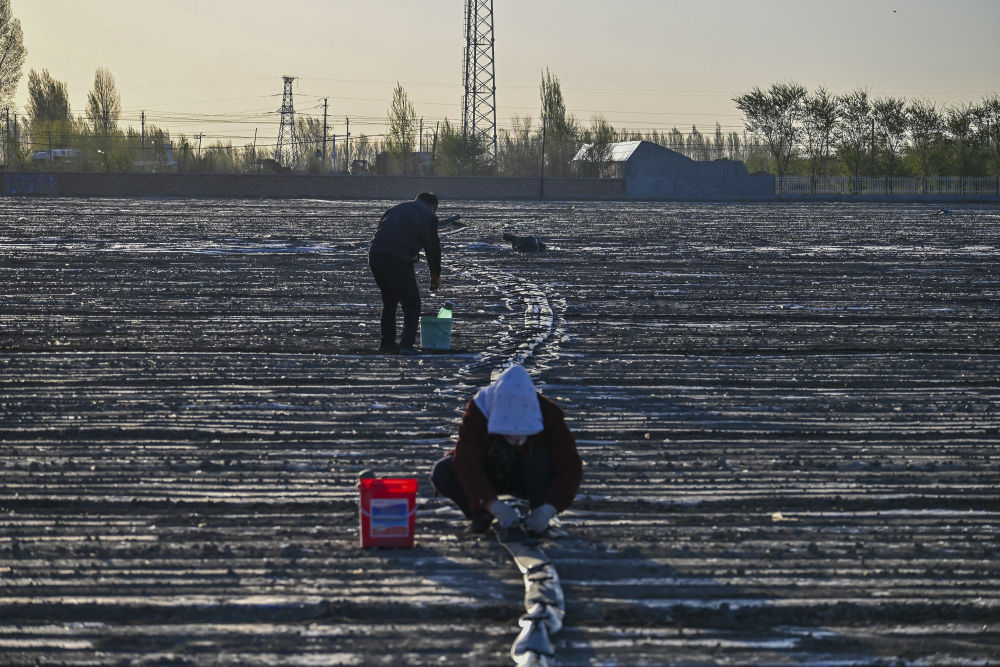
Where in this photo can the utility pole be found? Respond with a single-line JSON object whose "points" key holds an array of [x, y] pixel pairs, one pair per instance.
{"points": [[324, 129], [421, 142], [142, 137], [200, 135], [434, 146], [347, 146], [541, 183]]}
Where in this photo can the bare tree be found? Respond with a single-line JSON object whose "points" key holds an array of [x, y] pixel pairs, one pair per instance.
{"points": [[719, 143], [309, 143], [597, 147], [12, 53], [517, 153], [675, 140], [363, 151], [695, 145], [104, 104], [457, 153]]}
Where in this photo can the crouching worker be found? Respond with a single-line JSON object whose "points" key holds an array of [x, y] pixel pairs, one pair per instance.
{"points": [[512, 440]]}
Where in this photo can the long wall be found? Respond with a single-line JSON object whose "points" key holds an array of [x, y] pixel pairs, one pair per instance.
{"points": [[72, 184], [277, 186]]}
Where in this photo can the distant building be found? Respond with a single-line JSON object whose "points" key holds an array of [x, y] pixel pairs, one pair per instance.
{"points": [[651, 171], [58, 155], [158, 160]]}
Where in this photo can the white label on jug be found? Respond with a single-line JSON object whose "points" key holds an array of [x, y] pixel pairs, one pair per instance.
{"points": [[390, 517]]}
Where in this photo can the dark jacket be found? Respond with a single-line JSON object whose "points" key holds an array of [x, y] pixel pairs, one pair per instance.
{"points": [[473, 447], [407, 228]]}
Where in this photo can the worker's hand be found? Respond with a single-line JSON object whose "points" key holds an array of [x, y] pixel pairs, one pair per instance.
{"points": [[435, 281], [506, 516], [538, 519]]}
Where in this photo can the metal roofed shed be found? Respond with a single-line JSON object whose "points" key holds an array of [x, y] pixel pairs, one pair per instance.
{"points": [[651, 171]]}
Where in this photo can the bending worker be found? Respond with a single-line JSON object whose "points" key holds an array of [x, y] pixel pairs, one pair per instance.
{"points": [[403, 231], [512, 440]]}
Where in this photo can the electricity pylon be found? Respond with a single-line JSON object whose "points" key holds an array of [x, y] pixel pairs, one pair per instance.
{"points": [[479, 110], [284, 153]]}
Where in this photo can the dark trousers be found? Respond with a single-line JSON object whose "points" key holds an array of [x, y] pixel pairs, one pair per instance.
{"points": [[398, 283], [531, 478]]}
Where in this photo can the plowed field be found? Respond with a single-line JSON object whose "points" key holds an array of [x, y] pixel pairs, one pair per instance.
{"points": [[788, 415]]}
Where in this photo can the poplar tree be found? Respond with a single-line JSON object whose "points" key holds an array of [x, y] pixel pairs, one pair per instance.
{"points": [[560, 129], [48, 109], [48, 99], [402, 127], [12, 53], [104, 104]]}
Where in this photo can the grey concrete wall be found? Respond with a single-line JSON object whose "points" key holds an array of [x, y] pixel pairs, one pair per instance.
{"points": [[72, 184], [938, 198], [666, 179]]}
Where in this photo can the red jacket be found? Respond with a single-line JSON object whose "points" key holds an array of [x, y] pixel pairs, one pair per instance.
{"points": [[473, 447]]}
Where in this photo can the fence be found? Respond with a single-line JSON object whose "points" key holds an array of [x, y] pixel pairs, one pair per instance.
{"points": [[845, 185]]}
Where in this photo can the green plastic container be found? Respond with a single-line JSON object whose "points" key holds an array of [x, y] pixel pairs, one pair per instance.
{"points": [[435, 333]]}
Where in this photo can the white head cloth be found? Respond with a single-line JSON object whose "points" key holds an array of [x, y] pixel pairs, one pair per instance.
{"points": [[510, 404]]}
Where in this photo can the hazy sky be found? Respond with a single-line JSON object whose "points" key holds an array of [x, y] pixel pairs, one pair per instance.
{"points": [[215, 66]]}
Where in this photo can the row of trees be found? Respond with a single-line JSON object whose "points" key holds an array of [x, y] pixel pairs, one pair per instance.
{"points": [[96, 140], [49, 136], [789, 131], [560, 137], [854, 134]]}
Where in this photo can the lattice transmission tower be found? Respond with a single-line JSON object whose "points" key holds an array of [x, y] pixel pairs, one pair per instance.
{"points": [[284, 152], [479, 110]]}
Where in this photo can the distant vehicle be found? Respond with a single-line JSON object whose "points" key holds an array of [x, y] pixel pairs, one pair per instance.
{"points": [[57, 154]]}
